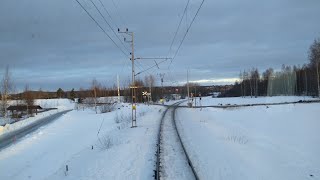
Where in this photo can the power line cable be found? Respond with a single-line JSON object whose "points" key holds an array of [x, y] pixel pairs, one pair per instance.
{"points": [[139, 65], [179, 44], [105, 9], [156, 65], [125, 64], [112, 20], [116, 25], [186, 32], [109, 25], [117, 11], [101, 28], [175, 34]]}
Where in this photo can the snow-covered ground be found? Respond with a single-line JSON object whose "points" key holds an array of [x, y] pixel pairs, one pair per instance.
{"points": [[109, 99], [275, 143], [60, 104], [119, 152], [259, 142], [209, 101]]}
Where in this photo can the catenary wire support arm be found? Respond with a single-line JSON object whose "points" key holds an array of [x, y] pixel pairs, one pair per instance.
{"points": [[152, 58], [156, 64]]}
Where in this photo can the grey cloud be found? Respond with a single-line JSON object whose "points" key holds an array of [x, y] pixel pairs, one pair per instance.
{"points": [[53, 44]]}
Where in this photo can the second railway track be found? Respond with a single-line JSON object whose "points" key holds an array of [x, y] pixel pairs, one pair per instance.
{"points": [[173, 161]]}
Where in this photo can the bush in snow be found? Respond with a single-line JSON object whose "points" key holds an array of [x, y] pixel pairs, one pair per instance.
{"points": [[105, 142], [141, 114], [107, 107], [238, 139], [118, 118], [121, 118]]}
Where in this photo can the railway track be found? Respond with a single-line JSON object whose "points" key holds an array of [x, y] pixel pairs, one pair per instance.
{"points": [[173, 161]]}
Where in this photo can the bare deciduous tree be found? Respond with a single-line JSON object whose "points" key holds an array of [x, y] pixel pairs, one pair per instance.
{"points": [[251, 83], [241, 83], [28, 98], [94, 88], [314, 56], [149, 82], [255, 78], [6, 88], [245, 78]]}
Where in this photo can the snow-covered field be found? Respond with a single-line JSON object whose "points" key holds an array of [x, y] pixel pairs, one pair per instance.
{"points": [[61, 104], [109, 99], [209, 101], [119, 152], [275, 143], [258, 142]]}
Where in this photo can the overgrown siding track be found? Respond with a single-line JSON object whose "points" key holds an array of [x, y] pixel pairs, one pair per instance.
{"points": [[173, 161]]}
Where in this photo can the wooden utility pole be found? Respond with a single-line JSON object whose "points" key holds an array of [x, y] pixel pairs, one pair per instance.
{"points": [[133, 85], [162, 76], [118, 88], [134, 96], [241, 82], [150, 89], [195, 96], [188, 87]]}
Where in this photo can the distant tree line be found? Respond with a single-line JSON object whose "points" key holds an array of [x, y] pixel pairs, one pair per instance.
{"points": [[97, 90], [290, 80]]}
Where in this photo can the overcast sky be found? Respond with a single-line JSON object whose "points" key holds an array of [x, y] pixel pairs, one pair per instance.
{"points": [[53, 43]]}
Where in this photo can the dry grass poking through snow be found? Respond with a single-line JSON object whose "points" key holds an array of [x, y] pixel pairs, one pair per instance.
{"points": [[237, 139], [105, 142], [125, 119]]}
